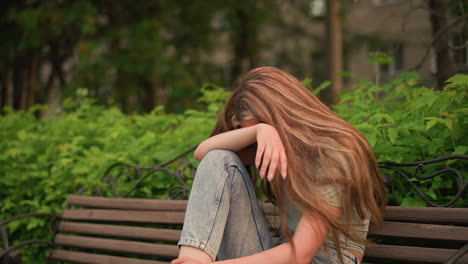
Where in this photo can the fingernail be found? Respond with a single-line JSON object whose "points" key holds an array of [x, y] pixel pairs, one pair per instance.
{"points": [[262, 175]]}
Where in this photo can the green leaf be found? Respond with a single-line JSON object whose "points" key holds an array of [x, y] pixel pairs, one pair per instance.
{"points": [[32, 224], [364, 126], [372, 138], [307, 82], [33, 203], [392, 134], [321, 87], [432, 123], [461, 150], [347, 75], [431, 194], [404, 131], [379, 117], [457, 81], [448, 123], [413, 201], [81, 169], [379, 58]]}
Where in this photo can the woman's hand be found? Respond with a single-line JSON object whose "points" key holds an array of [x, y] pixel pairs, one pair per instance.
{"points": [[270, 152], [185, 260]]}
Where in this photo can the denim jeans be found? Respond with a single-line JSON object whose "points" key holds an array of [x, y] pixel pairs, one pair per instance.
{"points": [[223, 216]]}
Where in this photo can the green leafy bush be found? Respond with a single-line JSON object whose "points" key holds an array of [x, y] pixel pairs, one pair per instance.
{"points": [[43, 161], [405, 121]]}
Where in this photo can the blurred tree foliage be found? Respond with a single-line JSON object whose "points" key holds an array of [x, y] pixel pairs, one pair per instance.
{"points": [[137, 55], [133, 54]]}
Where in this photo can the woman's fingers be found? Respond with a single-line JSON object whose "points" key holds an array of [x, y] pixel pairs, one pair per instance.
{"points": [[265, 162], [273, 165], [270, 156], [185, 260], [177, 261], [284, 165], [258, 156], [271, 160]]}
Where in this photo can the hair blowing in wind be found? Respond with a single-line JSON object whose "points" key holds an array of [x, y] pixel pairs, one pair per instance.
{"points": [[321, 148]]}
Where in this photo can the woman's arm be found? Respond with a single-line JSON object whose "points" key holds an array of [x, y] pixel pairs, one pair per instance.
{"points": [[234, 140], [270, 152], [309, 236]]}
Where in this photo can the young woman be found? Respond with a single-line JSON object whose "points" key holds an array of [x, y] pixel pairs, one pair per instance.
{"points": [[321, 171]]}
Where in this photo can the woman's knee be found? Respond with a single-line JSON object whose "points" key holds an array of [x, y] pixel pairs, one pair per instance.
{"points": [[217, 162], [221, 156]]}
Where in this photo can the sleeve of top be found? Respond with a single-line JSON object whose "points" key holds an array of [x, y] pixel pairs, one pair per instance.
{"points": [[330, 195]]}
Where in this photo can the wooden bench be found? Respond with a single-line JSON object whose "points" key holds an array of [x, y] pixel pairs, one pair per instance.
{"points": [[100, 230], [124, 230]]}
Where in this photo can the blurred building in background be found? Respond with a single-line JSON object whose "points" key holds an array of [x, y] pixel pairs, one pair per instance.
{"points": [[138, 55], [402, 29]]}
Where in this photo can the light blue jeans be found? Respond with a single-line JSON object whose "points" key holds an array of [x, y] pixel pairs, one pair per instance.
{"points": [[223, 216]]}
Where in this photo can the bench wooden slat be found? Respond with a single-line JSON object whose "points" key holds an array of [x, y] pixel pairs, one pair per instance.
{"points": [[127, 203], [422, 224], [150, 249], [143, 204], [421, 231], [80, 257], [392, 213], [426, 215], [269, 208], [163, 217], [121, 231], [409, 214], [411, 254]]}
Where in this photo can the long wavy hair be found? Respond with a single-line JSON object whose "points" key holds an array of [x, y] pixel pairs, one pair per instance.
{"points": [[321, 148]]}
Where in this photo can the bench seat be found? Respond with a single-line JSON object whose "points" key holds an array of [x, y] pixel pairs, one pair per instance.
{"points": [[103, 230]]}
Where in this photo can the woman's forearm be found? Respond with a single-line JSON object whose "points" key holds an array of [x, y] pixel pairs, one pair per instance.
{"points": [[310, 234], [233, 140], [278, 255]]}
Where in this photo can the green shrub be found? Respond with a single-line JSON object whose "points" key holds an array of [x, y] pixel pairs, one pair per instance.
{"points": [[43, 161], [405, 121]]}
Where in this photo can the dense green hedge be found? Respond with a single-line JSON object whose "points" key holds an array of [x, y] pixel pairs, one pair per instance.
{"points": [[405, 121], [42, 161]]}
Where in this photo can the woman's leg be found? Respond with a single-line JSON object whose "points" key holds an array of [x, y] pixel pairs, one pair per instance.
{"points": [[223, 216]]}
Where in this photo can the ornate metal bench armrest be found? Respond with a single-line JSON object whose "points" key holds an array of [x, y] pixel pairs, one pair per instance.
{"points": [[140, 173], [421, 169], [7, 249], [460, 253]]}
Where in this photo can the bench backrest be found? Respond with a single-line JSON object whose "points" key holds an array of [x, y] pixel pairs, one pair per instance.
{"points": [[143, 228], [102, 229]]}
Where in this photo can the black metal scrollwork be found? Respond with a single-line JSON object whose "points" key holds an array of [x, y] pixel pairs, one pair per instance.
{"points": [[6, 247], [140, 173], [418, 174], [181, 190]]}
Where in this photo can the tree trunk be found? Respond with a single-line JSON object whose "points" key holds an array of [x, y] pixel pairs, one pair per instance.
{"points": [[158, 93], [245, 42], [17, 84], [24, 73], [444, 61], [120, 90], [5, 83], [335, 51], [32, 85]]}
